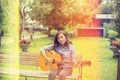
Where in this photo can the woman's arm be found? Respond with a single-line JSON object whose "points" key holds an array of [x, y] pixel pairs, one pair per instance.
{"points": [[74, 55], [46, 57], [42, 50]]}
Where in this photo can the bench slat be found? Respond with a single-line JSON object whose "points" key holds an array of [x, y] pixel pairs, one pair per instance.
{"points": [[31, 73]]}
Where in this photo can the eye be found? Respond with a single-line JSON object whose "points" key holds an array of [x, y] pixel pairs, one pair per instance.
{"points": [[61, 37]]}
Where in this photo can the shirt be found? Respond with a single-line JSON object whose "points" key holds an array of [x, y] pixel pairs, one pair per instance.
{"points": [[68, 53]]}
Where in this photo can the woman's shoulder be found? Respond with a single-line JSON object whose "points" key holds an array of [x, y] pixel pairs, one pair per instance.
{"points": [[71, 46]]}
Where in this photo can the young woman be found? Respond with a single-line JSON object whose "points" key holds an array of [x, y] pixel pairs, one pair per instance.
{"points": [[64, 47]]}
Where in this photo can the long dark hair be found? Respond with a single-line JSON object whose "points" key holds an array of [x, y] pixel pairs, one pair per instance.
{"points": [[56, 43]]}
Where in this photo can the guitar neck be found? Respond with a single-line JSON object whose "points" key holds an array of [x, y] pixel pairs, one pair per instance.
{"points": [[86, 63], [64, 62], [82, 63]]}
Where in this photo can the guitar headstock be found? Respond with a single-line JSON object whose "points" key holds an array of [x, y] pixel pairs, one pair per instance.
{"points": [[86, 63]]}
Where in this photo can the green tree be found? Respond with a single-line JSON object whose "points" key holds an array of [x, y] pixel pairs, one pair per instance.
{"points": [[117, 20], [40, 10], [110, 7], [1, 19], [1, 14], [107, 8], [24, 8], [5, 14], [55, 14]]}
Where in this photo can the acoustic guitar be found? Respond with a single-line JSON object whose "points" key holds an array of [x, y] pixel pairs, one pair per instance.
{"points": [[57, 59]]}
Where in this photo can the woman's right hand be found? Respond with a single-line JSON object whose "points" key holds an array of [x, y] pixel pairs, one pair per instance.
{"points": [[46, 57], [49, 59]]}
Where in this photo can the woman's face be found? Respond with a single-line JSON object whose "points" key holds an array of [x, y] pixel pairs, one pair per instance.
{"points": [[61, 39]]}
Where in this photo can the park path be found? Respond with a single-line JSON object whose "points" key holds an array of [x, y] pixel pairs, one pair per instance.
{"points": [[90, 49]]}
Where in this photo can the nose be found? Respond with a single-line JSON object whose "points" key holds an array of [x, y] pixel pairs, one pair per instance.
{"points": [[60, 39]]}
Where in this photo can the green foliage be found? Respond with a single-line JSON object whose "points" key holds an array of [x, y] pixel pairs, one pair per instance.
{"points": [[109, 26], [70, 30], [1, 14], [107, 7], [39, 9], [4, 12], [112, 33], [58, 13], [53, 32]]}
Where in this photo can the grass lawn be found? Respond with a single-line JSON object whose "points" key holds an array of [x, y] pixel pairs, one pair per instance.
{"points": [[103, 67]]}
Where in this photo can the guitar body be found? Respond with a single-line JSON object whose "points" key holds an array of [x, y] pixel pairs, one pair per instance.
{"points": [[44, 64]]}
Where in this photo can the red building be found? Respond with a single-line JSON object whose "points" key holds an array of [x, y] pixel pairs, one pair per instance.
{"points": [[96, 28]]}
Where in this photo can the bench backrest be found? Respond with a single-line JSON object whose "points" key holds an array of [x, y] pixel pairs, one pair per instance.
{"points": [[27, 58], [1, 56], [31, 59]]}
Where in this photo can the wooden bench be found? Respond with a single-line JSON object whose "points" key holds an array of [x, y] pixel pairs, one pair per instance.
{"points": [[31, 59]]}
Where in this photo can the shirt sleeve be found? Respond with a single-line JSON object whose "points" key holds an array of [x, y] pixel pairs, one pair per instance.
{"points": [[49, 47], [73, 53]]}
